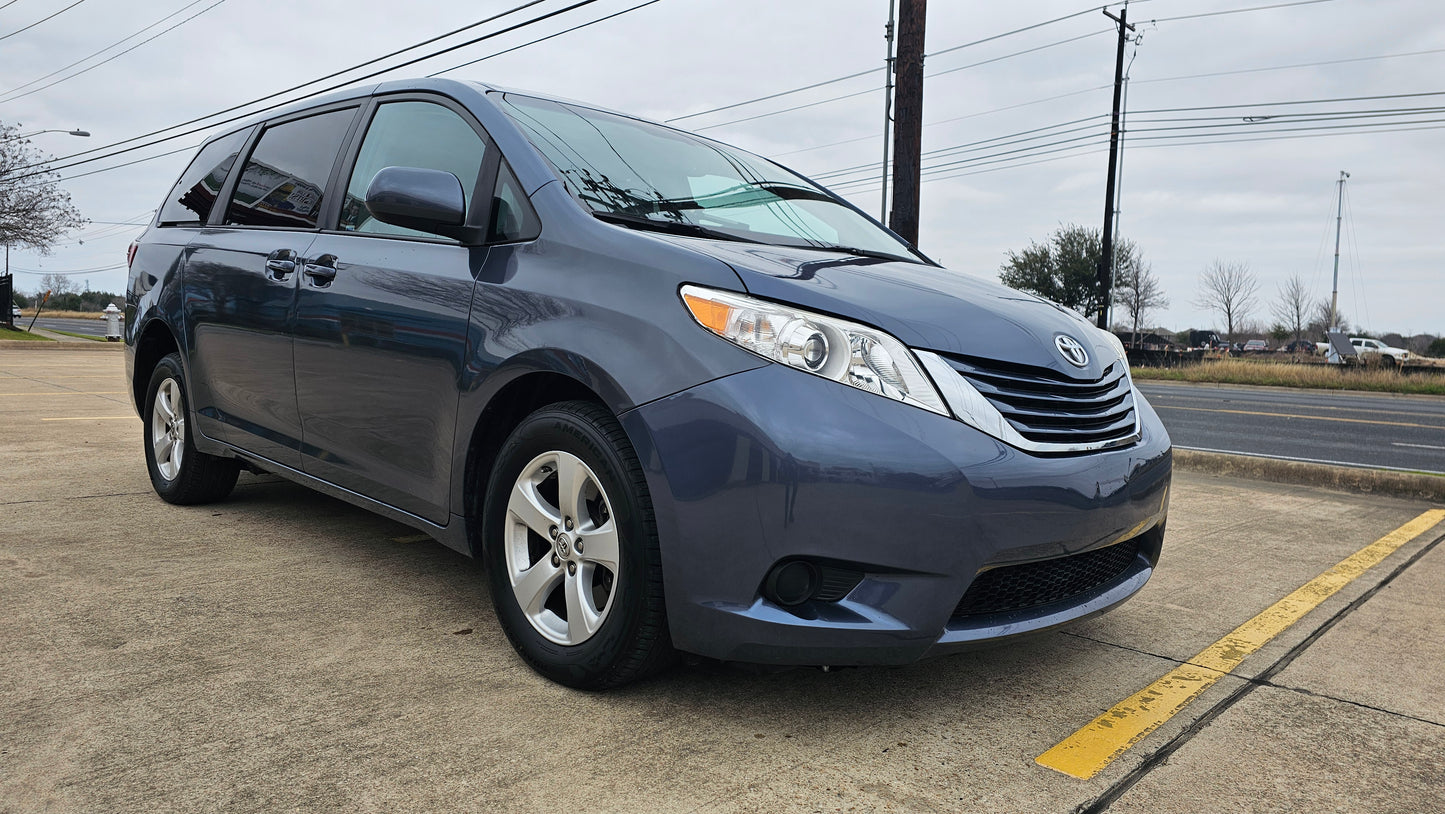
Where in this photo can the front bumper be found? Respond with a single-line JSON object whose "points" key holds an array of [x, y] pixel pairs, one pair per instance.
{"points": [[772, 464]]}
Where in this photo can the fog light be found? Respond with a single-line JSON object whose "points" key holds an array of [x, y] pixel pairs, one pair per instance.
{"points": [[791, 583]]}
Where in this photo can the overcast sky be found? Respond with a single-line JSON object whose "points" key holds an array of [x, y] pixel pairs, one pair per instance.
{"points": [[1266, 203]]}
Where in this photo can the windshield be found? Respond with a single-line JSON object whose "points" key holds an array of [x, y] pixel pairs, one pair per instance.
{"points": [[636, 173]]}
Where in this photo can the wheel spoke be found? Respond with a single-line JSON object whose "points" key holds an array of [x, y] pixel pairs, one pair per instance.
{"points": [[162, 447], [535, 584], [529, 509], [163, 401], [600, 546], [582, 620], [571, 478]]}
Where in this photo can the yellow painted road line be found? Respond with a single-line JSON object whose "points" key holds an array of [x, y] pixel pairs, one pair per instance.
{"points": [[1312, 407], [94, 418], [1086, 752], [1310, 417]]}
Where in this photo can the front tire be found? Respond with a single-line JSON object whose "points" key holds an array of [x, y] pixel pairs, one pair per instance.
{"points": [[572, 552], [180, 473]]}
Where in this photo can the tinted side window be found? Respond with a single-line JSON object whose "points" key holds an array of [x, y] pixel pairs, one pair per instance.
{"points": [[513, 218], [193, 195], [411, 134], [283, 182]]}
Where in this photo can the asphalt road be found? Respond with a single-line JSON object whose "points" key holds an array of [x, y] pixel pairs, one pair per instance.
{"points": [[1355, 429], [89, 327]]}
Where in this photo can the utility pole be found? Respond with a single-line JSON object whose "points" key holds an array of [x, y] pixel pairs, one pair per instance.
{"points": [[1105, 274], [7, 291], [908, 133], [1339, 216], [887, 107]]}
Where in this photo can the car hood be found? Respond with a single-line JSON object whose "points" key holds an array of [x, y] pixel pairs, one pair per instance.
{"points": [[925, 307]]}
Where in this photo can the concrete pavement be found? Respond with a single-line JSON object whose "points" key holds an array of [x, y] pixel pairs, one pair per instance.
{"points": [[285, 651]]}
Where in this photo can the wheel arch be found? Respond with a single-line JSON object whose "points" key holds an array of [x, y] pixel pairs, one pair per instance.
{"points": [[156, 341], [523, 392]]}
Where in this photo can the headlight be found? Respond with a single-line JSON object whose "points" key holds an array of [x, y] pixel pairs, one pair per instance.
{"points": [[835, 349]]}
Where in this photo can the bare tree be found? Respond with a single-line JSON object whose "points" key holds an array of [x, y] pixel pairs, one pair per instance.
{"points": [[1292, 309], [1138, 292], [56, 284], [34, 211], [1320, 321], [1228, 289]]}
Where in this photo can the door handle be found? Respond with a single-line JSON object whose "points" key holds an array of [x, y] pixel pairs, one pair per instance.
{"points": [[280, 264], [322, 271]]}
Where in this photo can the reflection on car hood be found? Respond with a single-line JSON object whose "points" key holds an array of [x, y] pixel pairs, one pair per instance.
{"points": [[924, 306]]}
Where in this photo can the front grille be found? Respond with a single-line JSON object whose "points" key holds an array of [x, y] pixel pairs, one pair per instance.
{"points": [[1029, 585], [1049, 408]]}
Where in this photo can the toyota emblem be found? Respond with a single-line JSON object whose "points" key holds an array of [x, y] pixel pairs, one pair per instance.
{"points": [[1071, 350]]}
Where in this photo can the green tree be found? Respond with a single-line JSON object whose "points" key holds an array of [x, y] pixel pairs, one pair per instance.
{"points": [[1064, 268], [1437, 348]]}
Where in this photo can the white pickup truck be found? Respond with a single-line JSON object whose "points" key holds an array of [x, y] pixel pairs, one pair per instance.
{"points": [[1388, 354]]}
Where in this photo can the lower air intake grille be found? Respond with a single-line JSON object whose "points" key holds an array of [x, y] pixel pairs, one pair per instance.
{"points": [[1029, 585]]}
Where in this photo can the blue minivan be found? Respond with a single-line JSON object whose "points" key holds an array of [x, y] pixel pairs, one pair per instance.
{"points": [[677, 397]]}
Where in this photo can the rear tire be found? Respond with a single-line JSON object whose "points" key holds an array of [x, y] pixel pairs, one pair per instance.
{"points": [[180, 473], [572, 552]]}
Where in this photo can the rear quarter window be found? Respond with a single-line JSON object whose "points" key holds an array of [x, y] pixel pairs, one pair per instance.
{"points": [[191, 199]]}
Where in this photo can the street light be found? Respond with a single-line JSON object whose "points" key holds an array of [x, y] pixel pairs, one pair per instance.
{"points": [[76, 132]]}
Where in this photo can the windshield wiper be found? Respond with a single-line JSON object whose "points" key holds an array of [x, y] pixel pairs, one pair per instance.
{"points": [[669, 226], [862, 252]]}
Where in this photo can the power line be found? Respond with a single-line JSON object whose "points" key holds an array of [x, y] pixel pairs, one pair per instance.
{"points": [[548, 37], [68, 272], [875, 90], [41, 20], [1286, 67], [938, 53], [1132, 81], [1271, 133], [1291, 101], [11, 95], [1234, 11], [996, 141], [377, 73], [332, 75]]}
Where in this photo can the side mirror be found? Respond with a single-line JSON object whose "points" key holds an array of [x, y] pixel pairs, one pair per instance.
{"points": [[426, 200]]}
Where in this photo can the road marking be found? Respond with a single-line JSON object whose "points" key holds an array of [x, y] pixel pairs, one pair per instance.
{"points": [[1310, 417], [1416, 446], [1372, 409], [93, 418], [1351, 464], [1086, 752], [71, 393]]}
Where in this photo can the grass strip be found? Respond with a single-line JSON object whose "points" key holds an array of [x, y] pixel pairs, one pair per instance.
{"points": [[23, 336], [78, 336], [1313, 376]]}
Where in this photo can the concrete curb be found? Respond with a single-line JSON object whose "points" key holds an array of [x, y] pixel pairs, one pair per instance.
{"points": [[1350, 479], [82, 344]]}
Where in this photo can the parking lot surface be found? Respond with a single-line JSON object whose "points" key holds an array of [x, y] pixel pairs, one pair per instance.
{"points": [[285, 651]]}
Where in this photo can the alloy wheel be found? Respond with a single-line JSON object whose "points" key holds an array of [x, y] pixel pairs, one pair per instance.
{"points": [[561, 547]]}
